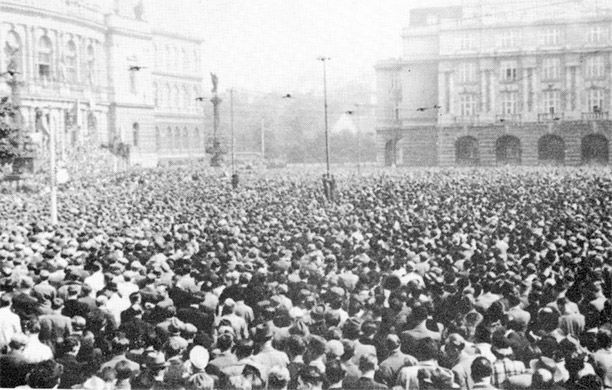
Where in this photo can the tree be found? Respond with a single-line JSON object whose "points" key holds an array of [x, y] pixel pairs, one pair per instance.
{"points": [[9, 134]]}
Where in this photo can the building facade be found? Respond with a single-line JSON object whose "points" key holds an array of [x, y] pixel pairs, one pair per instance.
{"points": [[101, 73], [499, 82]]}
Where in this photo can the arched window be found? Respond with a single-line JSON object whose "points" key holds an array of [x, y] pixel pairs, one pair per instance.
{"points": [[169, 139], [168, 59], [196, 62], [186, 99], [194, 103], [135, 133], [196, 138], [45, 53], [165, 98], [12, 53], [155, 56], [70, 61], [157, 139], [186, 138], [175, 60], [177, 138], [184, 61], [176, 97], [155, 95], [91, 65]]}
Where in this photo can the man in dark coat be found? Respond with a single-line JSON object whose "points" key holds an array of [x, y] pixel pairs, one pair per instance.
{"points": [[73, 369], [13, 366]]}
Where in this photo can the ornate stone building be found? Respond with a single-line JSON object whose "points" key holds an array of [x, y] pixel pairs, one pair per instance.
{"points": [[104, 74], [499, 81]]}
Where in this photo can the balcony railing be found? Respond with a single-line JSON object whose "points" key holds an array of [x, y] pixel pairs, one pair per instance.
{"points": [[595, 116], [467, 119], [550, 116], [508, 118]]}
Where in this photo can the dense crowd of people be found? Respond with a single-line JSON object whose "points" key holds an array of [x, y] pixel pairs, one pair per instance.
{"points": [[441, 279]]}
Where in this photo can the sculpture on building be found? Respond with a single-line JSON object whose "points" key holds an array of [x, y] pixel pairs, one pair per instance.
{"points": [[139, 11], [215, 82], [12, 65]]}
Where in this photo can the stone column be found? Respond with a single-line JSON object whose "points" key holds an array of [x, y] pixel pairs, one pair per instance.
{"points": [[493, 91], [34, 50], [483, 91], [4, 58], [525, 106], [451, 92], [442, 92]]}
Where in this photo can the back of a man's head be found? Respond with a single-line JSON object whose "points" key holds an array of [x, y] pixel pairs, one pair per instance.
{"points": [[427, 349], [278, 378], [420, 313], [295, 346], [334, 371], [311, 375], [45, 375], [481, 368], [225, 342], [244, 348], [367, 363], [123, 370]]}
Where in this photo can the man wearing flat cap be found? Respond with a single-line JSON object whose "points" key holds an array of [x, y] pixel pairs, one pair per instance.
{"points": [[311, 378], [389, 368], [13, 365], [268, 356]]}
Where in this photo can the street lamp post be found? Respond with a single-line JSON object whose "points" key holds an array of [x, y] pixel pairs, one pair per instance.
{"points": [[203, 99], [324, 61], [351, 112]]}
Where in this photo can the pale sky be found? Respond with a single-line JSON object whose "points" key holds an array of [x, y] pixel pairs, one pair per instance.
{"points": [[272, 45]]}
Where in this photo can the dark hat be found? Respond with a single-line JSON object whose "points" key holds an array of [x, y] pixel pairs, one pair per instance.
{"points": [[156, 360], [369, 327], [262, 333], [393, 341], [500, 344], [311, 374], [57, 303], [73, 289], [318, 313]]}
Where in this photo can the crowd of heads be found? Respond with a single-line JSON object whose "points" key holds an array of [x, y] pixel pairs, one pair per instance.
{"points": [[441, 279]]}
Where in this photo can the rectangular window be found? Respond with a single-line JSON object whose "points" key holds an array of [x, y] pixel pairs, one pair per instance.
{"points": [[572, 99], [44, 71], [551, 69], [552, 101], [530, 89], [468, 104], [509, 103], [596, 34], [551, 36], [595, 100], [447, 89], [508, 71], [488, 91], [133, 89], [595, 67], [44, 64], [71, 72], [467, 42], [432, 19], [467, 72], [508, 39]]}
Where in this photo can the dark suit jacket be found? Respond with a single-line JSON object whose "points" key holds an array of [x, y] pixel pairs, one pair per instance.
{"points": [[73, 372], [74, 307], [368, 384], [13, 370], [25, 305]]}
